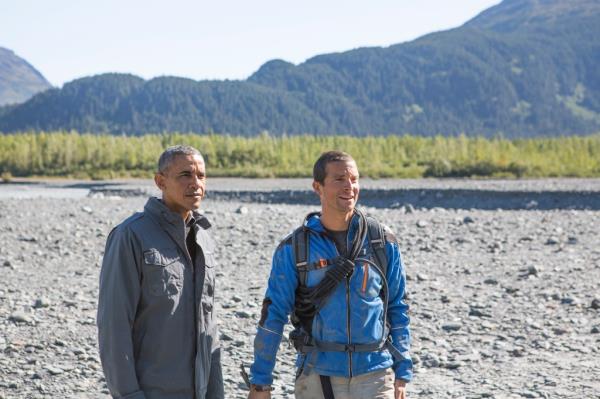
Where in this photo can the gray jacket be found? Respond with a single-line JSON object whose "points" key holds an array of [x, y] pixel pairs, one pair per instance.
{"points": [[157, 332]]}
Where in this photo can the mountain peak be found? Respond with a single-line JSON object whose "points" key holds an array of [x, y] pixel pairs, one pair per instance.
{"points": [[512, 15], [19, 81]]}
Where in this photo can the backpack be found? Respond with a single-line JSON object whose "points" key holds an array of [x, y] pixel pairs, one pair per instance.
{"points": [[307, 303]]}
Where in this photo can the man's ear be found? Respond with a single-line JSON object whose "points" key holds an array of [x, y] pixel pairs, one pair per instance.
{"points": [[159, 180], [317, 188]]}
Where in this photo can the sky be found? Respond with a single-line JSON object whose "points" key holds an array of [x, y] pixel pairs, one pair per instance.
{"points": [[226, 39]]}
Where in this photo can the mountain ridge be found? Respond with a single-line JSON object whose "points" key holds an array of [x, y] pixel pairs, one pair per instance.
{"points": [[19, 80], [533, 77]]}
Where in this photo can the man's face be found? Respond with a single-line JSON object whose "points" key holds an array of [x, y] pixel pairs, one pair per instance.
{"points": [[183, 184], [339, 191]]}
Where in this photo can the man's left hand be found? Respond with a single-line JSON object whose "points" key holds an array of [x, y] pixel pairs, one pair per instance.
{"points": [[400, 389]]}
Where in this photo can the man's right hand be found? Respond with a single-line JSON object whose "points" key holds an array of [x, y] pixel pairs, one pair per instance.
{"points": [[259, 395]]}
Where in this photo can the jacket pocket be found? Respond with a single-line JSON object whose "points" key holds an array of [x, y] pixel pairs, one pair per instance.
{"points": [[162, 257], [314, 277], [368, 281], [163, 271]]}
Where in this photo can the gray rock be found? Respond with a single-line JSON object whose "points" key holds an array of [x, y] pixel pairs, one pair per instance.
{"points": [[560, 330], [242, 210], [595, 303], [552, 240], [242, 314], [528, 394], [430, 360], [399, 206], [452, 365], [41, 303], [449, 327], [464, 240], [226, 337], [21, 317], [569, 300], [416, 359], [495, 247], [478, 313], [54, 370], [27, 238], [422, 223], [531, 205]]}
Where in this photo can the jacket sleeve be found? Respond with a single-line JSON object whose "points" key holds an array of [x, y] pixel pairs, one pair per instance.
{"points": [[398, 313], [117, 303], [277, 305]]}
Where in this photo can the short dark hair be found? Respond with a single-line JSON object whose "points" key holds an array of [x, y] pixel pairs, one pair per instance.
{"points": [[319, 170], [166, 158]]}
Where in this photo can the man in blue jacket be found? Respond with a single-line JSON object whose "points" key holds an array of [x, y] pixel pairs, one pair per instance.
{"points": [[344, 286]]}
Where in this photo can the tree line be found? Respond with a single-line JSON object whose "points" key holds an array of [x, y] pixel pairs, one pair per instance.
{"points": [[75, 155]]}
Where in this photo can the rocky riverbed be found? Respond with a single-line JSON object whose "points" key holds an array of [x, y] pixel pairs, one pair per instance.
{"points": [[505, 303]]}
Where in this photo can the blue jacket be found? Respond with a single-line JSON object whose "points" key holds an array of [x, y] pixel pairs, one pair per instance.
{"points": [[352, 315]]}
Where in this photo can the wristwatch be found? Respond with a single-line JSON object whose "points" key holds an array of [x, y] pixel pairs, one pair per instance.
{"points": [[261, 388]]}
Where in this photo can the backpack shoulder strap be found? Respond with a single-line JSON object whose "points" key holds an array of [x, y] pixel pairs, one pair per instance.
{"points": [[377, 243], [300, 248]]}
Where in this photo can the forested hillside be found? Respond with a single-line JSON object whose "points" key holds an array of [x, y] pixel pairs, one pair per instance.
{"points": [[522, 68]]}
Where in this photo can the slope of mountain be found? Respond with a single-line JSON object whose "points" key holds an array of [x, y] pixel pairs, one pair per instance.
{"points": [[521, 68], [19, 81]]}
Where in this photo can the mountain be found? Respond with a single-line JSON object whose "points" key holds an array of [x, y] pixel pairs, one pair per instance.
{"points": [[522, 68], [19, 81]]}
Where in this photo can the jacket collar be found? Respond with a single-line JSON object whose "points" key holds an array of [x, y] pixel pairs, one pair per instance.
{"points": [[157, 208], [313, 222]]}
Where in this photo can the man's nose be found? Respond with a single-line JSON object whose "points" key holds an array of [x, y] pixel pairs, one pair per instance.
{"points": [[196, 181]]}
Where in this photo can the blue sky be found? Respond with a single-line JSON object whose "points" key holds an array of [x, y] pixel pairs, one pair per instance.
{"points": [[68, 39]]}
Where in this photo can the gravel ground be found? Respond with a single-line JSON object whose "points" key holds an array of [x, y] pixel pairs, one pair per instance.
{"points": [[504, 303]]}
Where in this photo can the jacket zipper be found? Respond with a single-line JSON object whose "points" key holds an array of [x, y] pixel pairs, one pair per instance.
{"points": [[195, 324], [195, 310], [348, 323], [348, 329], [348, 310]]}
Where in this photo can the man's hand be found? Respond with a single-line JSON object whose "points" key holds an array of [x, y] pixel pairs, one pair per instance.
{"points": [[400, 389], [259, 395]]}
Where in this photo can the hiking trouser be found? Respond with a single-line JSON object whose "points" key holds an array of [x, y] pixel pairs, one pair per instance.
{"points": [[376, 385]]}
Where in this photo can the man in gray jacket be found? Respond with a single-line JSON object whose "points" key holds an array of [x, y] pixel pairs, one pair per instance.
{"points": [[156, 328]]}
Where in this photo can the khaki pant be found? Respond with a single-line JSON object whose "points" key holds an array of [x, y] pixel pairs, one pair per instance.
{"points": [[376, 385]]}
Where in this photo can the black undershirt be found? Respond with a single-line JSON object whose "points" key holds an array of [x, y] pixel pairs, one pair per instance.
{"points": [[340, 240], [190, 238]]}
